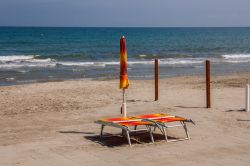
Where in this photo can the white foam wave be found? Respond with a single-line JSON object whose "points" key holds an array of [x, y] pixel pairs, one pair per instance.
{"points": [[13, 66], [16, 58], [141, 62], [18, 61], [32, 61], [142, 56], [181, 61], [97, 64], [40, 60], [10, 79], [103, 64], [237, 61], [169, 61], [236, 56]]}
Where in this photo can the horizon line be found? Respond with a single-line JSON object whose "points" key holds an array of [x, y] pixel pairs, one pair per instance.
{"points": [[6, 26]]}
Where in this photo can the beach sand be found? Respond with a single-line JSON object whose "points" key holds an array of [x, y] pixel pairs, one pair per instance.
{"points": [[53, 123]]}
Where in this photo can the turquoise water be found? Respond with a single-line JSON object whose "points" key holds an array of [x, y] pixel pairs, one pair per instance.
{"points": [[29, 54]]}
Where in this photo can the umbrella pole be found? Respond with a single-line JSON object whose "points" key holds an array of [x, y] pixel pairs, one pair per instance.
{"points": [[247, 97], [124, 111]]}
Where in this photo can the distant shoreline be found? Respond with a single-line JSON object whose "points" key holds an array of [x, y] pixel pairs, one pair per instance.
{"points": [[122, 27], [131, 78]]}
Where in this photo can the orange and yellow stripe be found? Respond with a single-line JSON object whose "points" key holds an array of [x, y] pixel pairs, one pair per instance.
{"points": [[124, 81]]}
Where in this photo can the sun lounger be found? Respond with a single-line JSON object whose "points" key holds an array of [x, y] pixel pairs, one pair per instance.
{"points": [[125, 124], [163, 122]]}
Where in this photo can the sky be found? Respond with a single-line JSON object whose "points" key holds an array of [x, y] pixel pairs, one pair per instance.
{"points": [[125, 13]]}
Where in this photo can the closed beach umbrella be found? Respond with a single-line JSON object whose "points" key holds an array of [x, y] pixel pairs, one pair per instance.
{"points": [[124, 81]]}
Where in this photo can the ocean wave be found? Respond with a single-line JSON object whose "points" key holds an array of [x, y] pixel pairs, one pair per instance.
{"points": [[153, 56], [236, 56], [10, 79], [100, 64], [182, 61], [142, 56], [168, 61], [237, 61], [11, 58], [20, 58], [103, 64], [18, 61], [14, 66], [147, 56], [33, 61]]}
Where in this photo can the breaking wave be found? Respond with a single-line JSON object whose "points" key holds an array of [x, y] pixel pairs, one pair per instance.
{"points": [[19, 61], [236, 58]]}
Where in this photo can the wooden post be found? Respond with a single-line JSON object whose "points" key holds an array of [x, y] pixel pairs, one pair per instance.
{"points": [[208, 84], [156, 79]]}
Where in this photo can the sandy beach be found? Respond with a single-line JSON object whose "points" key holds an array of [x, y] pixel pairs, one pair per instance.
{"points": [[53, 123]]}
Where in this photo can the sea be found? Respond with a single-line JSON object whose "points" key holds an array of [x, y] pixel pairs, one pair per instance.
{"points": [[42, 54]]}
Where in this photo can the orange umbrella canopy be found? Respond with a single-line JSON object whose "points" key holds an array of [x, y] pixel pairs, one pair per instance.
{"points": [[124, 82]]}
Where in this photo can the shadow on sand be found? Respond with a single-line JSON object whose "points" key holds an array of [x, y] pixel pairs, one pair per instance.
{"points": [[118, 140], [243, 120], [240, 110], [133, 100], [75, 132], [179, 106]]}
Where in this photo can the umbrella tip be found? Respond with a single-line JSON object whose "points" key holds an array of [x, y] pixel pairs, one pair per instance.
{"points": [[123, 37]]}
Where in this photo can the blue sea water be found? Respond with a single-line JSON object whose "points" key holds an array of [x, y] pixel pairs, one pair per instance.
{"points": [[31, 54]]}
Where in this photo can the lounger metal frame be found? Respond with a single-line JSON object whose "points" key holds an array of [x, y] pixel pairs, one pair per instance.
{"points": [[125, 129], [163, 127], [153, 122]]}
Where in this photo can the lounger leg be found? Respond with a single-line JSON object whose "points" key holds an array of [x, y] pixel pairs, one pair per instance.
{"points": [[123, 133], [102, 127], [154, 128], [186, 131], [128, 137], [165, 133], [151, 134]]}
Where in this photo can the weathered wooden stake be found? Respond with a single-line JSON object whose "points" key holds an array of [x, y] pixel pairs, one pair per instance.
{"points": [[208, 84], [156, 79]]}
